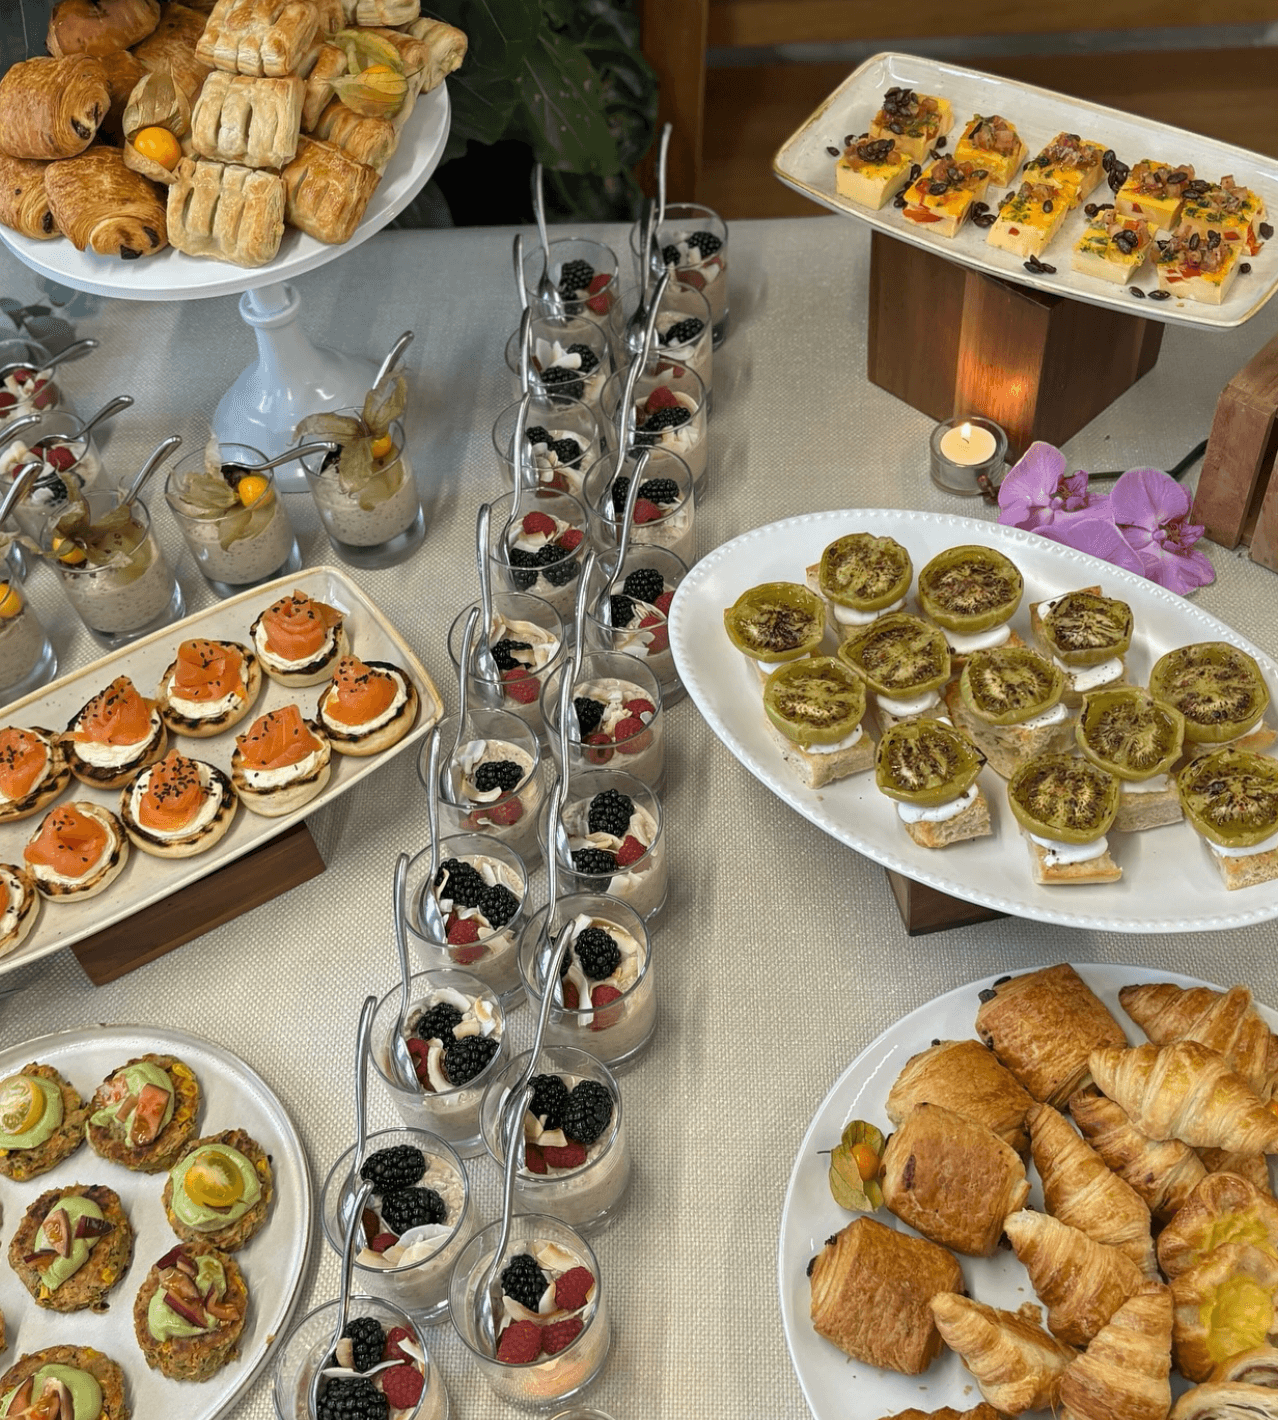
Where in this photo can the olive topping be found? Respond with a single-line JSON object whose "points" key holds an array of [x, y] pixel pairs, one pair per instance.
{"points": [[776, 621], [1231, 796], [1061, 797], [865, 572], [814, 701], [1129, 733], [1007, 685], [1217, 688], [1084, 628], [970, 589], [926, 763], [898, 655]]}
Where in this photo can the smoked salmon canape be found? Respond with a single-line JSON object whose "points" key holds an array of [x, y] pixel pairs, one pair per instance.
{"points": [[280, 762], [367, 706], [299, 640], [117, 733], [79, 850], [178, 807], [33, 771], [144, 1114], [211, 686], [19, 906]]}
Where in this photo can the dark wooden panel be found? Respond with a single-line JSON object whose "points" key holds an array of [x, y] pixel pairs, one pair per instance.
{"points": [[674, 43], [1240, 454], [923, 909]]}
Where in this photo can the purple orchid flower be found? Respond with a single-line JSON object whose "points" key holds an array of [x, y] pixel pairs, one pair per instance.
{"points": [[1037, 493], [1098, 537], [1151, 511]]}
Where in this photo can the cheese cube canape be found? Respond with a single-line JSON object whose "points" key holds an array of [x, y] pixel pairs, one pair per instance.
{"points": [[993, 144], [1154, 192], [916, 121], [871, 171], [1029, 218], [1112, 248], [1231, 210], [1070, 163], [1197, 268], [941, 198]]}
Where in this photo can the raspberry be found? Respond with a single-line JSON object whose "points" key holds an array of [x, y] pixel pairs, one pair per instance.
{"points": [[464, 956], [601, 997], [646, 512], [462, 931], [368, 1221], [559, 1334], [393, 1337], [419, 1050], [630, 739], [640, 707], [7, 400], [571, 999], [520, 685], [381, 1242], [693, 278], [600, 303], [567, 1156], [534, 1159], [663, 397], [402, 1386], [571, 540], [535, 523], [572, 1289], [520, 1343], [598, 755], [503, 815], [662, 603], [59, 456], [660, 633], [631, 851]]}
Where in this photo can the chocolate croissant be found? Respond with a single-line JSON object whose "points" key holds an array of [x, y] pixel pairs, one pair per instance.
{"points": [[51, 108], [24, 204], [100, 203], [100, 27]]}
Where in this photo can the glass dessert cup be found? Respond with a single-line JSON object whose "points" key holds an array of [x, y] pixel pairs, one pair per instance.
{"points": [[25, 387], [552, 337], [624, 736], [550, 1380], [684, 333], [308, 1345], [650, 642], [27, 657], [131, 593], [418, 1284], [702, 264], [559, 418], [589, 1196], [599, 301], [518, 617], [662, 387], [453, 1114], [380, 524], [665, 516], [238, 539], [493, 957], [515, 550], [71, 462]]}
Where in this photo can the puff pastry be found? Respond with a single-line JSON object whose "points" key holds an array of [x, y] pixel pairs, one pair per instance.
{"points": [[1124, 1374], [259, 37], [254, 122], [1253, 1167], [1223, 1306], [329, 64], [325, 192], [447, 48], [1017, 1365], [982, 1412], [99, 27], [225, 211], [382, 12], [368, 140], [1259, 1366], [24, 204], [1226, 1400], [51, 108], [1043, 1026], [1222, 1209], [964, 1076], [1185, 1091], [871, 1294], [100, 203], [172, 45], [123, 72]]}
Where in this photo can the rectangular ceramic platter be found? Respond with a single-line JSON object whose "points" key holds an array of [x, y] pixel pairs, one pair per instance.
{"points": [[274, 1262], [1038, 115], [146, 880]]}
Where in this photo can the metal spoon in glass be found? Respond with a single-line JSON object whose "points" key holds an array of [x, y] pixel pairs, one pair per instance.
{"points": [[108, 411], [485, 667], [662, 155], [455, 771], [17, 491], [547, 292], [432, 917], [603, 610], [363, 1040], [489, 1294], [16, 426], [68, 352], [157, 456], [521, 284], [394, 356], [638, 322], [343, 1296], [520, 459], [400, 1055], [525, 350]]}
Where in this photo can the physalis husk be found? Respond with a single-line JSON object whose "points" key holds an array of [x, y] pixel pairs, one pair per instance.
{"points": [[854, 1168]]}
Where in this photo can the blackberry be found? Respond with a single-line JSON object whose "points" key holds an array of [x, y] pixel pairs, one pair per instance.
{"points": [[588, 1111], [438, 1023], [538, 435], [397, 1167], [645, 584], [368, 1341], [589, 360], [520, 562], [567, 451], [355, 1399], [332, 457], [504, 653], [705, 242], [557, 564], [685, 332], [498, 905], [598, 953], [465, 885], [672, 416], [610, 812], [620, 487], [589, 713], [621, 610], [659, 490], [412, 1208], [503, 774], [558, 379], [575, 276], [670, 256], [594, 862], [549, 1096], [464, 1059], [524, 1281]]}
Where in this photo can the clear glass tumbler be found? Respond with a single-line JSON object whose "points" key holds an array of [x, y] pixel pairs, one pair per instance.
{"points": [[694, 240], [669, 413], [665, 509], [571, 356], [618, 717], [27, 657], [564, 438], [69, 461], [587, 278], [527, 640]]}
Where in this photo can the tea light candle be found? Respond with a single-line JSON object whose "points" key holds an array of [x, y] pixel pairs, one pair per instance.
{"points": [[968, 455], [968, 444]]}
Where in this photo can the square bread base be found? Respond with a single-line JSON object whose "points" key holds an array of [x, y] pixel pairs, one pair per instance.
{"points": [[1250, 871], [973, 822], [817, 770], [1258, 739], [1095, 870], [1007, 747], [1118, 270], [1141, 811]]}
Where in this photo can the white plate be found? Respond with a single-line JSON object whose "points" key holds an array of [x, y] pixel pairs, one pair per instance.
{"points": [[1169, 883], [274, 1263], [146, 880], [1038, 115], [173, 276], [810, 1214]]}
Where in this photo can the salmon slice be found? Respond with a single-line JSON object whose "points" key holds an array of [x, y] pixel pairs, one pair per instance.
{"points": [[297, 627], [359, 693], [118, 716], [23, 757], [206, 671], [276, 740], [173, 794], [69, 842]]}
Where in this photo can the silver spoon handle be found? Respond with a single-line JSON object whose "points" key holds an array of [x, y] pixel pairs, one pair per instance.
{"points": [[432, 811], [71, 352], [16, 426], [108, 411], [520, 453], [539, 210], [156, 458], [662, 156], [525, 350], [348, 1259], [483, 524], [515, 1128], [393, 357], [521, 283], [319, 446], [463, 681], [17, 490], [579, 612], [399, 888], [363, 1042], [628, 517]]}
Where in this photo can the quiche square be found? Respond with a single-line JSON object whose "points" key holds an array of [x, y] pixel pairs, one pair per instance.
{"points": [[1074, 165], [1112, 248], [915, 121], [1155, 192], [1195, 268], [941, 198], [1028, 219], [1232, 210], [871, 171], [993, 144]]}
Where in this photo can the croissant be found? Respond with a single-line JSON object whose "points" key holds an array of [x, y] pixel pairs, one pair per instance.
{"points": [[982, 1412], [1224, 1021], [51, 108], [1017, 1365], [1080, 1190], [1259, 1366], [1123, 1375], [1082, 1282], [1223, 1305], [1185, 1091], [24, 204], [100, 203], [1163, 1172], [964, 1076], [1222, 1209], [1253, 1167], [100, 27], [1227, 1400]]}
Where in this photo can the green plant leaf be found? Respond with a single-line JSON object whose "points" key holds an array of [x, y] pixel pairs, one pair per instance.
{"points": [[564, 98], [482, 111]]}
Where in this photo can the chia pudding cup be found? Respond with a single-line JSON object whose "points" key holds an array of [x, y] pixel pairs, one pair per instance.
{"points": [[626, 735], [382, 523], [27, 657], [683, 334], [413, 1273], [530, 555], [620, 1032], [645, 633], [589, 1195], [70, 464], [452, 1112], [493, 957], [694, 240], [660, 390], [555, 423], [593, 296], [665, 511], [26, 384], [527, 634], [557, 368]]}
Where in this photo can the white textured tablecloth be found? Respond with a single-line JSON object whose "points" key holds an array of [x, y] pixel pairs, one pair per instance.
{"points": [[782, 953]]}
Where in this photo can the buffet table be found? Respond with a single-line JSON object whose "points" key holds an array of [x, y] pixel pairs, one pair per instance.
{"points": [[782, 953]]}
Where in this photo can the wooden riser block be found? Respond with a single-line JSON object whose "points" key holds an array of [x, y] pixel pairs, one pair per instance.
{"points": [[268, 872], [923, 909], [1236, 483]]}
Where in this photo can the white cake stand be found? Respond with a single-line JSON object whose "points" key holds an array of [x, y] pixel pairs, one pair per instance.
{"points": [[291, 377]]}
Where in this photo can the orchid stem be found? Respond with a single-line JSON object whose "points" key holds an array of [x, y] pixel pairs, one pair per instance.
{"points": [[1178, 471]]}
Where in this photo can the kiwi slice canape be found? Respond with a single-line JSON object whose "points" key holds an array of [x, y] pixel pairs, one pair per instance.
{"points": [[1231, 796], [926, 763], [814, 701], [1129, 733], [898, 655], [1007, 685], [1061, 797], [776, 621], [865, 572], [1084, 628], [970, 589], [1217, 688]]}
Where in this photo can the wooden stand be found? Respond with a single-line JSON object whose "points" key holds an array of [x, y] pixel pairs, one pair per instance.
{"points": [[1237, 496], [268, 872], [924, 909], [952, 341]]}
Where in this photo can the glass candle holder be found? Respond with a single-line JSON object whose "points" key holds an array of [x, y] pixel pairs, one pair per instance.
{"points": [[542, 552], [665, 511], [634, 617], [564, 438], [669, 413], [27, 657], [527, 637], [69, 464], [586, 275], [968, 455], [571, 357], [618, 718], [683, 334], [694, 240]]}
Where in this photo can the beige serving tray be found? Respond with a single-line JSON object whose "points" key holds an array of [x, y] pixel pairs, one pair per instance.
{"points": [[146, 880]]}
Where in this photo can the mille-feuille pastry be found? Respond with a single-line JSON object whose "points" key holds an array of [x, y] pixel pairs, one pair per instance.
{"points": [[952, 1179], [42, 1120], [1223, 1208], [971, 593], [208, 687], [1226, 1400], [1223, 1305], [1124, 1373], [281, 762], [990, 142], [1065, 807], [371, 141], [904, 662], [1007, 701], [930, 773], [99, 27], [1072, 165], [815, 710], [143, 1115], [19, 908], [113, 735], [1112, 248], [1230, 798], [367, 707], [1079, 1189], [254, 122], [1154, 193], [871, 171], [34, 1381], [326, 192], [220, 1190], [1258, 1367], [72, 1246], [1225, 207], [1221, 692], [915, 121], [947, 1412], [24, 203], [299, 641], [966, 1077], [1081, 1282], [227, 212], [1086, 635], [258, 37], [51, 108], [1043, 1025], [178, 807], [100, 203], [77, 852], [1016, 1364], [941, 198], [774, 623], [1137, 739], [872, 1289], [33, 771], [189, 1313], [172, 45], [1195, 268], [862, 577]]}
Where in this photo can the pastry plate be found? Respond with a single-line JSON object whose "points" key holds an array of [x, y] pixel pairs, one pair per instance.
{"points": [[1038, 115], [173, 276], [146, 880], [1169, 883], [274, 1262], [810, 1214]]}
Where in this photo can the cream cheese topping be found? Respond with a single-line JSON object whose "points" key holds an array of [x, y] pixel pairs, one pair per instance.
{"points": [[848, 740], [1155, 784], [964, 645], [1085, 678], [908, 704], [368, 726], [850, 616], [937, 813], [208, 810], [202, 709], [279, 663], [13, 899], [1060, 854], [1054, 715], [102, 756], [1267, 845], [288, 774]]}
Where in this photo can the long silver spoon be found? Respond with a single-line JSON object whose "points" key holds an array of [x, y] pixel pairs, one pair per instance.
{"points": [[520, 460], [401, 1056], [556, 832], [157, 456], [393, 357], [455, 773], [638, 322], [638, 363], [68, 352], [547, 292], [363, 1042], [521, 282], [16, 426], [18, 489], [525, 350], [485, 666], [489, 1294], [580, 611], [343, 1296], [431, 914], [662, 155], [108, 411]]}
